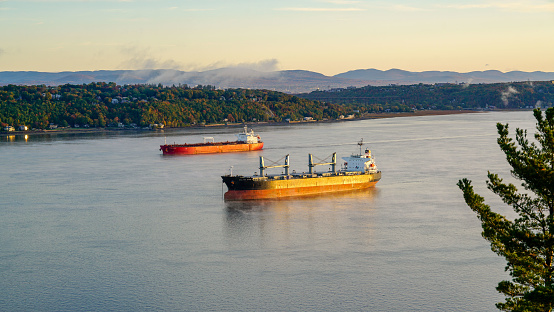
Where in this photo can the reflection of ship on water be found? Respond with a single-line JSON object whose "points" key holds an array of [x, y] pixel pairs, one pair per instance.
{"points": [[272, 223], [339, 199]]}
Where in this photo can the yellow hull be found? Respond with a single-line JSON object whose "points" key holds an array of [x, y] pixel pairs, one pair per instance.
{"points": [[250, 188]]}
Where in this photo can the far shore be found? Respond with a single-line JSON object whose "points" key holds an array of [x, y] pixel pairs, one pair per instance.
{"points": [[236, 125]]}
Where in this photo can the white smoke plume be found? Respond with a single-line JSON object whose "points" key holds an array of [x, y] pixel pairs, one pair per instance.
{"points": [[467, 83], [505, 95], [141, 58], [220, 74], [268, 65]]}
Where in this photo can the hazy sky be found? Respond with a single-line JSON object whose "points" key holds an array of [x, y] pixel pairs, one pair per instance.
{"points": [[329, 37]]}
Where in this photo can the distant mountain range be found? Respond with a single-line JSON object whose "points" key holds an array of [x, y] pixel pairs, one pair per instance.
{"points": [[289, 81]]}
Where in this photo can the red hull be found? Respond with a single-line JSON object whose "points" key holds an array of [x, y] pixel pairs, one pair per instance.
{"points": [[209, 148], [294, 192]]}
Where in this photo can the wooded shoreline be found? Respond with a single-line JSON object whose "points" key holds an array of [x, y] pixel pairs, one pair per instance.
{"points": [[418, 113]]}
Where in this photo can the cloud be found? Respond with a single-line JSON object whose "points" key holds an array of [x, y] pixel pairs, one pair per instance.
{"points": [[405, 8], [320, 9], [341, 2], [197, 10], [70, 1], [516, 6], [134, 20]]}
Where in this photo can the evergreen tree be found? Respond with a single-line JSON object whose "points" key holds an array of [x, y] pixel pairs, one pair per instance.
{"points": [[527, 242]]}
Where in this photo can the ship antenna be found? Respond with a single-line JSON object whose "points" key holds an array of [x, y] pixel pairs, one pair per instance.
{"points": [[231, 169], [360, 144]]}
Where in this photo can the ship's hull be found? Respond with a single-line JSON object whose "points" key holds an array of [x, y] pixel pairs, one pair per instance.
{"points": [[209, 148], [252, 188]]}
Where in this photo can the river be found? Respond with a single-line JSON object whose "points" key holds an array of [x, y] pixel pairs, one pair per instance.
{"points": [[105, 222]]}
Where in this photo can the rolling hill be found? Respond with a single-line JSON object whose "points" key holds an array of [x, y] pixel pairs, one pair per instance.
{"points": [[289, 81]]}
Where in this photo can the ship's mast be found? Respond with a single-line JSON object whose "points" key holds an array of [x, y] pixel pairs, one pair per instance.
{"points": [[311, 163], [360, 144], [263, 166]]}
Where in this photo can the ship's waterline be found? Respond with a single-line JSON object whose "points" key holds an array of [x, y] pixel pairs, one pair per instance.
{"points": [[246, 142], [359, 172], [297, 186]]}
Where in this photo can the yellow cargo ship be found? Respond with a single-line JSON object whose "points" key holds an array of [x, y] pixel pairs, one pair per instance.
{"points": [[359, 172]]}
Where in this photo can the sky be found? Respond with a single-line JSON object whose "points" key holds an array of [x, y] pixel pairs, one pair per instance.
{"points": [[328, 37]]}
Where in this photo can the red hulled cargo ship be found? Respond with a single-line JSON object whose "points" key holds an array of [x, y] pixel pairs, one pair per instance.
{"points": [[246, 141], [359, 172]]}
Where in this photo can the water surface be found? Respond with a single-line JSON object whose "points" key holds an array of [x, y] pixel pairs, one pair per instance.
{"points": [[104, 222]]}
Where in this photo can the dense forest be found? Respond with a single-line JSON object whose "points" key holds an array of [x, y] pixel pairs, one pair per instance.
{"points": [[108, 104], [448, 96]]}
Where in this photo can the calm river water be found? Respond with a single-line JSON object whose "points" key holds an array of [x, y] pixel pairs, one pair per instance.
{"points": [[104, 222]]}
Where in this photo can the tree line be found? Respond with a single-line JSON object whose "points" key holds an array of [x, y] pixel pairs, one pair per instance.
{"points": [[445, 96], [103, 104]]}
